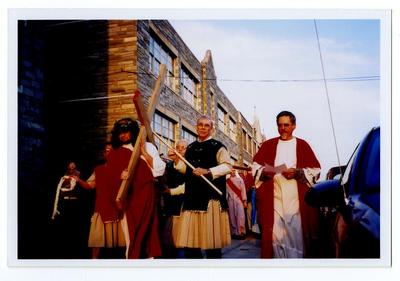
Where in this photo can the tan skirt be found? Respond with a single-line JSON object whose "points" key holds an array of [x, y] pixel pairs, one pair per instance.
{"points": [[109, 235], [199, 229]]}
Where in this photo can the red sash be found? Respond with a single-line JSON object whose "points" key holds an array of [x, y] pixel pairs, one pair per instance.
{"points": [[235, 189]]}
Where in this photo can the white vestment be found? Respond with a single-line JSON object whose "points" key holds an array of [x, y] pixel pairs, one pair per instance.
{"points": [[287, 241]]}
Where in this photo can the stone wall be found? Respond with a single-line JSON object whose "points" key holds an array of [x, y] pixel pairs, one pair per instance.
{"points": [[247, 156], [171, 102], [210, 87]]}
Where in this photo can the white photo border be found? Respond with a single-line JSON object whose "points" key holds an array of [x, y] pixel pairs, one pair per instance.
{"points": [[386, 128]]}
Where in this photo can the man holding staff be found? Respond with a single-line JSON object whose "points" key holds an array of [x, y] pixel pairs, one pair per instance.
{"points": [[204, 223]]}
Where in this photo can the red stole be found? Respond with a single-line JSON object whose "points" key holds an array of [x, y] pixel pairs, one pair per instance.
{"points": [[265, 196], [248, 180], [235, 189]]}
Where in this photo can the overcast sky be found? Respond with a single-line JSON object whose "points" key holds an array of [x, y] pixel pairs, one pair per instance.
{"points": [[288, 50]]}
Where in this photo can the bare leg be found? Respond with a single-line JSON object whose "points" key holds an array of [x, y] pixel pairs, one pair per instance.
{"points": [[95, 252]]}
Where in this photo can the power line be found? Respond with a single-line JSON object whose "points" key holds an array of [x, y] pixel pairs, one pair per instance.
{"points": [[336, 79], [329, 104], [97, 98], [345, 79]]}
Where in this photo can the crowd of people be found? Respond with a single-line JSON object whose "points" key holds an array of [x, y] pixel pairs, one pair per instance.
{"points": [[192, 203]]}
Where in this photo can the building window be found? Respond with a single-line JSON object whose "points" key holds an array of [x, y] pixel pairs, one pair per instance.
{"points": [[188, 135], [232, 129], [212, 105], [188, 88], [159, 54], [221, 119], [254, 148], [165, 128], [249, 144], [244, 140]]}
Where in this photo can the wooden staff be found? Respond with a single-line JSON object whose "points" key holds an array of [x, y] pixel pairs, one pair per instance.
{"points": [[143, 133], [187, 163], [143, 116], [241, 168]]}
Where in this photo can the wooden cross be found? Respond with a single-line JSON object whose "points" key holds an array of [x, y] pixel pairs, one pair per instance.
{"points": [[144, 132]]}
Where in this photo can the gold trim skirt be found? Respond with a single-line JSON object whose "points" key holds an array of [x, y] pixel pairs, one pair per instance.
{"points": [[109, 234], [202, 229]]}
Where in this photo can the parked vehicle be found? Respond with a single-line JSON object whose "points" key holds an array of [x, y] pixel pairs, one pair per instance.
{"points": [[352, 203]]}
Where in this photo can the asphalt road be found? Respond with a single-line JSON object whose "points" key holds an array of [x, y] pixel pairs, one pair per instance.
{"points": [[248, 248]]}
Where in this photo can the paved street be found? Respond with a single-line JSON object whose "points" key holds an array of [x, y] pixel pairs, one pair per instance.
{"points": [[248, 248]]}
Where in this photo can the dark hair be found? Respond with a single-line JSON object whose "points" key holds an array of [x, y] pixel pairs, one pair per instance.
{"points": [[124, 125], [287, 113]]}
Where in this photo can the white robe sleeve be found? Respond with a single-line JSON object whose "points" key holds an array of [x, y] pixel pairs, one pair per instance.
{"points": [[224, 167], [312, 175], [158, 168], [180, 189], [180, 167], [92, 178]]}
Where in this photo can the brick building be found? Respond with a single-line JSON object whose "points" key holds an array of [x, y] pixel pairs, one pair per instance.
{"points": [[76, 78]]}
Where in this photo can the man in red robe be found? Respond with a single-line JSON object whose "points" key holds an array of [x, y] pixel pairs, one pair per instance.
{"points": [[284, 168]]}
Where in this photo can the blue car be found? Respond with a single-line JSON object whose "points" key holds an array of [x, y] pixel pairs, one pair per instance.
{"points": [[350, 204]]}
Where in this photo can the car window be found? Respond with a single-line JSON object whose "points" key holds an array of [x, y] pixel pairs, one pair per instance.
{"points": [[346, 173]]}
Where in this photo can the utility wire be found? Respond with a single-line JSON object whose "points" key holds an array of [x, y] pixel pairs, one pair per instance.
{"points": [[97, 98], [329, 104], [337, 79]]}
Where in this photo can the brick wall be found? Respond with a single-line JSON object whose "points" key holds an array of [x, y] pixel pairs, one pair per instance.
{"points": [[122, 55]]}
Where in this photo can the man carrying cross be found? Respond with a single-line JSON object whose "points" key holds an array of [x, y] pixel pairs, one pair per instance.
{"points": [[204, 222], [138, 221]]}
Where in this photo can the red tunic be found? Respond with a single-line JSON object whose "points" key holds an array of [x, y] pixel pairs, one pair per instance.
{"points": [[108, 181], [141, 212], [265, 197]]}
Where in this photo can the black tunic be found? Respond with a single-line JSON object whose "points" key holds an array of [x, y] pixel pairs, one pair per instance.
{"points": [[197, 192], [173, 203]]}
